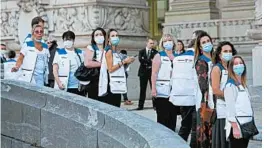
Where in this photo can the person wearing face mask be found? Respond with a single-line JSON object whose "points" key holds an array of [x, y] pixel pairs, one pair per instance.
{"points": [[160, 80], [3, 52], [112, 80], [52, 45], [219, 75], [33, 59], [35, 21], [184, 88], [65, 63], [203, 64], [145, 57], [238, 106], [92, 59]]}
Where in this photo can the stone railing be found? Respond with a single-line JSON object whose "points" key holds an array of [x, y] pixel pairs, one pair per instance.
{"points": [[42, 117], [233, 30]]}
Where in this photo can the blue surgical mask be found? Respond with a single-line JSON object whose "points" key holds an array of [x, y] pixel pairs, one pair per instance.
{"points": [[114, 41], [99, 39], [168, 45], [207, 47], [239, 69], [37, 40], [227, 56]]}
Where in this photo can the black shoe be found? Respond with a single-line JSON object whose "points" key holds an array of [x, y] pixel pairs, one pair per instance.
{"points": [[139, 108]]}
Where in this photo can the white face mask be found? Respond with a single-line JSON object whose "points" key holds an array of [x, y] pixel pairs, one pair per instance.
{"points": [[99, 39], [68, 44], [3, 52]]}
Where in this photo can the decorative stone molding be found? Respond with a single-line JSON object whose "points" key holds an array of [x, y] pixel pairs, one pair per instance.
{"points": [[9, 24], [30, 5], [84, 19], [229, 29]]}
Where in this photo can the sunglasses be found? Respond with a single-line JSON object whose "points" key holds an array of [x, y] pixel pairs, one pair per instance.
{"points": [[38, 32]]}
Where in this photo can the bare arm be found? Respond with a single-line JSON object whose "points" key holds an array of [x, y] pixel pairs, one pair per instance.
{"points": [[155, 70], [215, 75], [18, 63], [88, 59], [109, 61], [55, 73]]}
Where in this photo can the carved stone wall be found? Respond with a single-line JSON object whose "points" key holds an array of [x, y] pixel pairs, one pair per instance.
{"points": [[130, 18], [232, 30]]}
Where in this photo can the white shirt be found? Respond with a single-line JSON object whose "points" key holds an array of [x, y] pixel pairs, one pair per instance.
{"points": [[98, 53], [147, 50]]}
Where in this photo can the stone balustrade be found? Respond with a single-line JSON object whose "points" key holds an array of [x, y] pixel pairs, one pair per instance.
{"points": [[43, 117]]}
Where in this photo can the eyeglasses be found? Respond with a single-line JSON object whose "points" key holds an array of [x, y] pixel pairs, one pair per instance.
{"points": [[38, 32]]}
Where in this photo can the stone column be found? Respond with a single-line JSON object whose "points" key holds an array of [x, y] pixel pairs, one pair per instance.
{"points": [[191, 10], [238, 9], [256, 34]]}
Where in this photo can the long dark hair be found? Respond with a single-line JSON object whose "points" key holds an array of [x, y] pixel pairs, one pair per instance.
{"points": [[197, 46], [181, 50], [216, 56], [104, 34]]}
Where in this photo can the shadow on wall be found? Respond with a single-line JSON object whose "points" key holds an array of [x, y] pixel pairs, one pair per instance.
{"points": [[43, 117]]}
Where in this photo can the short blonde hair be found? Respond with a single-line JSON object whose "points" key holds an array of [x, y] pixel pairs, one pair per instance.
{"points": [[161, 47]]}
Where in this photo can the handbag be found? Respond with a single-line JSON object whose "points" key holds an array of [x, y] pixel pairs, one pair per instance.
{"points": [[86, 74], [207, 114], [248, 129]]}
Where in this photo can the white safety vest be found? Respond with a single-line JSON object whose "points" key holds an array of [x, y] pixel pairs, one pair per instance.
{"points": [[117, 78], [163, 86], [29, 63], [184, 85], [220, 103], [8, 65], [64, 67], [242, 106]]}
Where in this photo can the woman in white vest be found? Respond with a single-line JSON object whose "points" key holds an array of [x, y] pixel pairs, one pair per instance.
{"points": [[203, 65], [160, 79], [184, 88], [9, 64], [33, 59], [112, 80], [92, 59], [66, 62], [219, 75], [238, 105]]}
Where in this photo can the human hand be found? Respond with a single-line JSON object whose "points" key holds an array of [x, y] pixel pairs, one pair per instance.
{"points": [[15, 69]]}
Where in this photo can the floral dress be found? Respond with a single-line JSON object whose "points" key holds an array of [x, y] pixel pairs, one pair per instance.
{"points": [[203, 129]]}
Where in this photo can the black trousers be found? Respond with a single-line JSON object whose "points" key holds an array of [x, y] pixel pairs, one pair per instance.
{"points": [[237, 143], [193, 142], [186, 123], [92, 89], [112, 99], [75, 91], [166, 113], [50, 83], [143, 88]]}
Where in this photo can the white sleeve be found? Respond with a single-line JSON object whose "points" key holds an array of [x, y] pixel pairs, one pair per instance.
{"points": [[56, 58], [230, 94], [89, 47], [24, 49]]}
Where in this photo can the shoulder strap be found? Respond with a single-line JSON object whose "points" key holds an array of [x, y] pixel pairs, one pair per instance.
{"points": [[78, 55], [95, 49]]}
